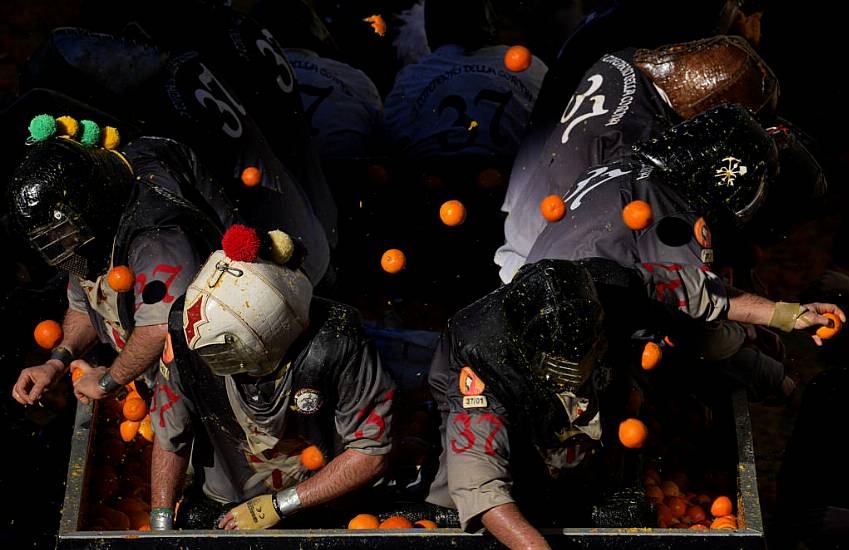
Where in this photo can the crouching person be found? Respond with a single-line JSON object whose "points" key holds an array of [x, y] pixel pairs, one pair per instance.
{"points": [[256, 370]]}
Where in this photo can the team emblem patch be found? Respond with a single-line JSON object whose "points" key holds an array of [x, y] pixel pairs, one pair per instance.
{"points": [[702, 232], [474, 401], [192, 319], [308, 401], [470, 384], [728, 173]]}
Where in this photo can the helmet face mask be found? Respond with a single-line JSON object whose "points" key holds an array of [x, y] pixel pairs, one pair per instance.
{"points": [[58, 241], [241, 317]]}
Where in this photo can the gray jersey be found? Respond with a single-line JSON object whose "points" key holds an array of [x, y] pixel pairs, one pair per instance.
{"points": [[615, 106]]}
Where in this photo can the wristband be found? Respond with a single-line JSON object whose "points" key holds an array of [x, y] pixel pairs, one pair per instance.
{"points": [[62, 354], [161, 519], [785, 314], [108, 384], [286, 501]]}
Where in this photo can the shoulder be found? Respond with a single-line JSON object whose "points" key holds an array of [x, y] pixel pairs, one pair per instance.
{"points": [[335, 320]]}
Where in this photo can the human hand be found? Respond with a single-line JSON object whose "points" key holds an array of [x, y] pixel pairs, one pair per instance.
{"points": [[33, 381], [256, 513], [86, 388], [814, 316]]}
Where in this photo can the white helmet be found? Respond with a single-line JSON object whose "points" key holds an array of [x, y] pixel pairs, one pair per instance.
{"points": [[241, 315]]}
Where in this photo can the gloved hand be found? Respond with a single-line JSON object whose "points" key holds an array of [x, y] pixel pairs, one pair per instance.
{"points": [[256, 513]]}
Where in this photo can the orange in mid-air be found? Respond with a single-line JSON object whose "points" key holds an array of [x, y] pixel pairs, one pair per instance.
{"points": [[364, 521], [489, 178], [633, 433], [825, 332], [377, 23], [553, 208], [637, 215], [393, 260], [251, 176], [721, 507], [134, 409], [312, 458], [651, 356], [48, 334], [396, 522], [121, 278], [426, 524], [452, 213], [517, 58]]}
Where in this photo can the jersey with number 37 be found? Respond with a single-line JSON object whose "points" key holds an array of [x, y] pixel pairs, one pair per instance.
{"points": [[614, 106], [453, 101]]}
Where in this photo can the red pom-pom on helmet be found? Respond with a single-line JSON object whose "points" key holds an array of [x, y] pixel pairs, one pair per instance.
{"points": [[241, 243]]}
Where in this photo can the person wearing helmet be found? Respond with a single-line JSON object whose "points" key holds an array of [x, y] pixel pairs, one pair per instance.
{"points": [[626, 97], [147, 210], [461, 98], [255, 370], [529, 381]]}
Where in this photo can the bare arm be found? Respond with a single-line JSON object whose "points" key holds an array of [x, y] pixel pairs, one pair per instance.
{"points": [[348, 471], [511, 528], [143, 348], [757, 310], [167, 473], [78, 336]]}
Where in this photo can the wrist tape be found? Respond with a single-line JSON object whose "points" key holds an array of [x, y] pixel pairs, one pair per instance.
{"points": [[62, 354], [785, 314], [108, 384], [161, 519], [286, 502]]}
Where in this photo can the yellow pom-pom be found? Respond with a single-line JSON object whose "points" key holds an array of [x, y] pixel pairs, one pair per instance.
{"points": [[110, 137], [282, 247], [67, 126]]}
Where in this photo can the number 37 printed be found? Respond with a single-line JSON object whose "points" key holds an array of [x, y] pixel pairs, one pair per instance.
{"points": [[466, 425]]}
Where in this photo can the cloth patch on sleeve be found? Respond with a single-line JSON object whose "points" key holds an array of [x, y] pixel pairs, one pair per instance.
{"points": [[474, 401], [469, 382]]}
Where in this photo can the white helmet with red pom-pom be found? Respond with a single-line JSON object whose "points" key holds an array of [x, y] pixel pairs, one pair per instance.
{"points": [[242, 312]]}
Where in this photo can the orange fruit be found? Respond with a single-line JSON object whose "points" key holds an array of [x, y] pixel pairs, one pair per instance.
{"points": [[145, 429], [670, 489], [377, 24], [311, 458], [396, 522], [651, 477], [517, 58], [129, 429], [138, 519], [721, 506], [676, 505], [48, 334], [452, 213], [432, 181], [121, 278], [364, 521], [251, 176], [697, 526], [668, 341], [426, 524], [553, 208], [76, 374], [393, 261], [637, 215], [652, 355], [134, 409], [489, 178], [633, 433], [723, 523], [695, 514], [825, 332], [664, 515]]}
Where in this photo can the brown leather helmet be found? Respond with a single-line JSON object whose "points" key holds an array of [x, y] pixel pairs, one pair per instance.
{"points": [[698, 75]]}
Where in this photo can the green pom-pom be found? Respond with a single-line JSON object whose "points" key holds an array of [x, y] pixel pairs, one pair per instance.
{"points": [[42, 127], [90, 134]]}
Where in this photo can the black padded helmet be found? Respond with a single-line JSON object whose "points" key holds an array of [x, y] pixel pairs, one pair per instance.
{"points": [[68, 199], [720, 161], [555, 315]]}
